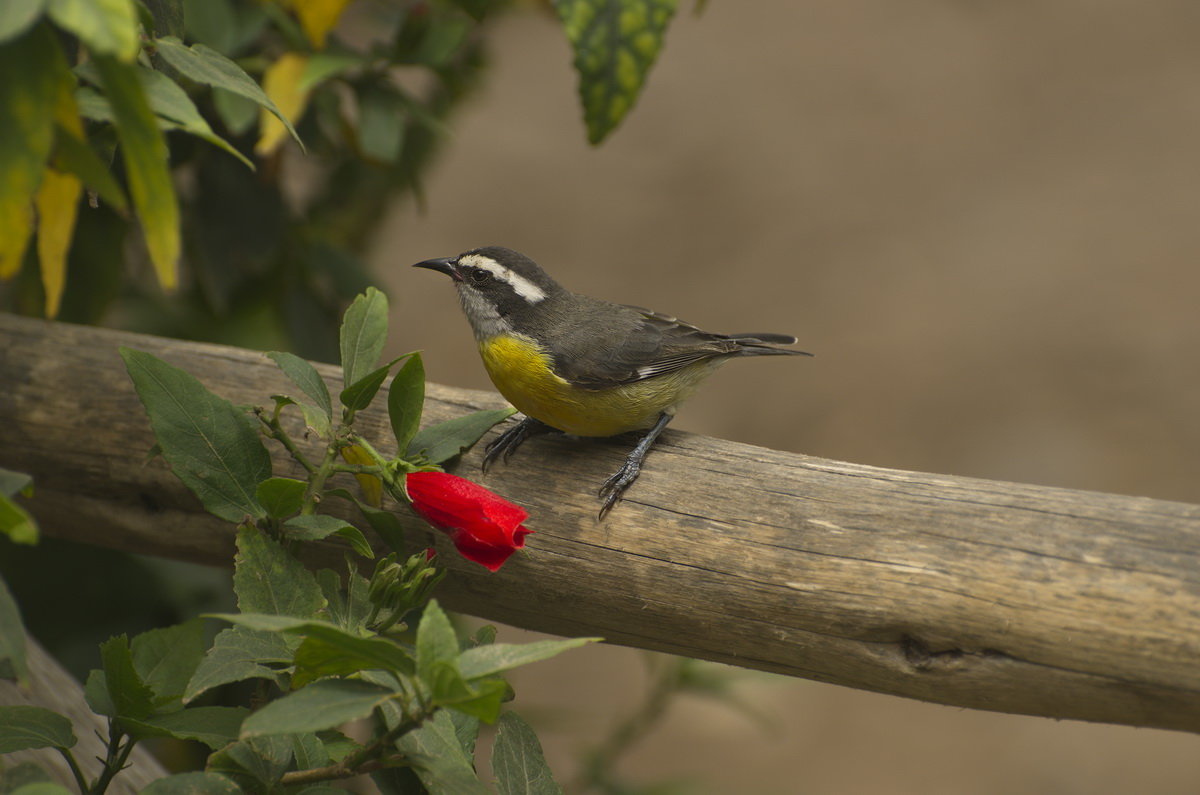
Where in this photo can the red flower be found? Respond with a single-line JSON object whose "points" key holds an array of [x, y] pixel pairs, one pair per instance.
{"points": [[485, 527]]}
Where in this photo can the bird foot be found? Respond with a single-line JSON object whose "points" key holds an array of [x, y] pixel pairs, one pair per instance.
{"points": [[614, 488], [504, 445]]}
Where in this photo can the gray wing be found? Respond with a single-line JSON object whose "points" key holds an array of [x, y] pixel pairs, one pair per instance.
{"points": [[637, 344]]}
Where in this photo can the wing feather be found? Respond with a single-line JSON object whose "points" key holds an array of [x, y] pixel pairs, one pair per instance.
{"points": [[639, 344]]}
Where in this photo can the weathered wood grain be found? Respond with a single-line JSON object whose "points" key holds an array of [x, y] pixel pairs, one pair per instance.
{"points": [[981, 594]]}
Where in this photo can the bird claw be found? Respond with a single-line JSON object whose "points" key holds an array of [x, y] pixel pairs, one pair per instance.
{"points": [[614, 488], [504, 445]]}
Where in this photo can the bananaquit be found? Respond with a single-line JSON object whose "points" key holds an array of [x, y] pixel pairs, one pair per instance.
{"points": [[581, 365]]}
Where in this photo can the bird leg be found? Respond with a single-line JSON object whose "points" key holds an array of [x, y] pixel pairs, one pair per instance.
{"points": [[624, 477], [506, 443]]}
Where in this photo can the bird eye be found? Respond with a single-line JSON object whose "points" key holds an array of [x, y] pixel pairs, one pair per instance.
{"points": [[480, 276]]}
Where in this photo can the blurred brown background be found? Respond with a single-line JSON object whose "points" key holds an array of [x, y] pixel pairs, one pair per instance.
{"points": [[983, 219]]}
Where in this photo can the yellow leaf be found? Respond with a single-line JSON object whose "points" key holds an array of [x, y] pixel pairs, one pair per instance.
{"points": [[318, 17], [281, 82], [15, 226], [145, 152], [57, 205], [66, 110], [32, 67], [106, 27], [57, 201], [372, 487]]}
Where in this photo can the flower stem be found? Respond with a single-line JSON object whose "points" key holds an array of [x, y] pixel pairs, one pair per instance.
{"points": [[80, 781], [317, 478], [364, 760], [115, 758], [275, 431]]}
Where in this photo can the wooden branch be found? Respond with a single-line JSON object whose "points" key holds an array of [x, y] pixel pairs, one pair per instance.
{"points": [[980, 594]]}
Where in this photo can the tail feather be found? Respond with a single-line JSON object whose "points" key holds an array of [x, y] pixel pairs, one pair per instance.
{"points": [[764, 345], [771, 339], [767, 350]]}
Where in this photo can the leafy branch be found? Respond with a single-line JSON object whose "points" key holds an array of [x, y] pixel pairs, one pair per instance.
{"points": [[327, 647], [129, 77]]}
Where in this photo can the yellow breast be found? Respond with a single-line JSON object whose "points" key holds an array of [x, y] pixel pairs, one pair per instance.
{"points": [[522, 372]]}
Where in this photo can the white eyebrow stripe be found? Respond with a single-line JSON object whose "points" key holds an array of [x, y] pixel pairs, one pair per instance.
{"points": [[521, 286]]}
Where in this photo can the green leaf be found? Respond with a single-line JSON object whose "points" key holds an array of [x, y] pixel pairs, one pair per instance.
{"points": [[216, 727], [13, 483], [207, 442], [76, 156], [346, 654], [494, 658], [348, 608], [168, 16], [238, 654], [309, 752], [322, 705], [24, 727], [167, 658], [406, 401], [447, 439], [363, 334], [518, 762], [337, 745], [95, 692], [359, 395], [93, 106], [484, 636], [382, 114], [280, 497], [479, 700], [145, 153], [385, 524], [331, 646], [16, 523], [27, 119], [107, 27], [615, 42], [13, 664], [213, 22], [436, 641], [264, 622], [322, 788], [466, 728], [169, 100], [130, 696], [237, 113], [313, 527], [392, 713], [325, 64], [314, 418], [40, 788], [198, 783], [305, 376], [263, 759], [206, 65], [437, 755], [446, 685], [439, 37], [268, 580], [16, 16]]}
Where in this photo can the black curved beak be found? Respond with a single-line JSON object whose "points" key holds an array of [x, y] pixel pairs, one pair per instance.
{"points": [[446, 265]]}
